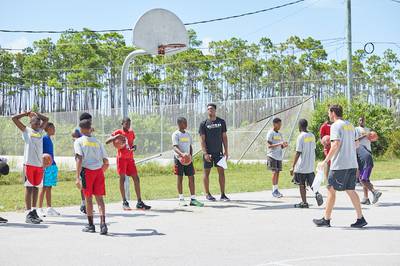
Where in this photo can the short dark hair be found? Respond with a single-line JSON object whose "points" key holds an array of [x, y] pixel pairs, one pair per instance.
{"points": [[34, 118], [85, 124], [276, 120], [4, 168], [337, 109], [212, 105], [49, 125], [84, 116], [181, 119], [303, 123], [125, 119]]}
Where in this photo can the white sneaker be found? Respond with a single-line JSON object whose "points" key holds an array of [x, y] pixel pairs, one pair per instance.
{"points": [[182, 203], [41, 212], [52, 212]]}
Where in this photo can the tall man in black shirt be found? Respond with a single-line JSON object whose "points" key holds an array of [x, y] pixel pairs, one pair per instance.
{"points": [[213, 135]]}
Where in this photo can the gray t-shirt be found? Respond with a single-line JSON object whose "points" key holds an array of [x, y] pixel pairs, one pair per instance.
{"points": [[364, 141], [33, 150], [183, 141], [92, 152], [305, 144], [274, 137], [346, 157]]}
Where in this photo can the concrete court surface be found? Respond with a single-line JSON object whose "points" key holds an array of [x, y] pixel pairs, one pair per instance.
{"points": [[252, 229]]}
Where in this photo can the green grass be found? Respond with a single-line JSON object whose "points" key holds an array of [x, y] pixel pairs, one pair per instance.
{"points": [[159, 182]]}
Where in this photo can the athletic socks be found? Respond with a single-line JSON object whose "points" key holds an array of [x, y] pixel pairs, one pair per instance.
{"points": [[193, 197], [274, 187], [181, 197]]}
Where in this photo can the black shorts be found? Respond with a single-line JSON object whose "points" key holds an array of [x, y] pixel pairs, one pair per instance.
{"points": [[215, 157], [342, 180], [180, 170], [274, 165], [303, 179]]}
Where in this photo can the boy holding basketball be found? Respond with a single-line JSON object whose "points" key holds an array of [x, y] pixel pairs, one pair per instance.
{"points": [[91, 163], [33, 161], [50, 173], [126, 164], [182, 145], [365, 162], [275, 144]]}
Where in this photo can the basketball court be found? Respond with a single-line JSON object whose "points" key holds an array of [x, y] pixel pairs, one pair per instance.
{"points": [[252, 229]]}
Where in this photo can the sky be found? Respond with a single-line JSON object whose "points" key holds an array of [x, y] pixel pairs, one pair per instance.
{"points": [[372, 20]]}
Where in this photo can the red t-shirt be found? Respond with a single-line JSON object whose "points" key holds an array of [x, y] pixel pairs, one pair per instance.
{"points": [[127, 152], [325, 130]]}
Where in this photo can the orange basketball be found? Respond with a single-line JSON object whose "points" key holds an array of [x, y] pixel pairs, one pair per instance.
{"points": [[185, 160], [326, 141], [47, 160], [119, 143], [373, 136]]}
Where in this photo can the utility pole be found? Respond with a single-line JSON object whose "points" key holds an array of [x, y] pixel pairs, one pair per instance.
{"points": [[349, 54]]}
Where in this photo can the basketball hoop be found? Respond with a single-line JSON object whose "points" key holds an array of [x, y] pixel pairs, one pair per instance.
{"points": [[170, 48]]}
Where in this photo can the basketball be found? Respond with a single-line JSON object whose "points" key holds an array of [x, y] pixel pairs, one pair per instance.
{"points": [[326, 141], [119, 143], [373, 136], [47, 160], [186, 159]]}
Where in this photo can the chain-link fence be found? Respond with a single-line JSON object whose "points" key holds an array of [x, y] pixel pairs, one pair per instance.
{"points": [[245, 119]]}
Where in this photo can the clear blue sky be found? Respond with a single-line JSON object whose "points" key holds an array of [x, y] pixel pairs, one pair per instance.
{"points": [[373, 20]]}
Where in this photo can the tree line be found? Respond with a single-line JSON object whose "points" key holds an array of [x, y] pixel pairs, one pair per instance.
{"points": [[81, 71]]}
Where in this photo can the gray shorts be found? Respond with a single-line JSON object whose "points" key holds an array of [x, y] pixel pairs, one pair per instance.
{"points": [[342, 180], [274, 165]]}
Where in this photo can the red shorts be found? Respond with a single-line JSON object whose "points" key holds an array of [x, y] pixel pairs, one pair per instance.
{"points": [[33, 176], [93, 182], [126, 167]]}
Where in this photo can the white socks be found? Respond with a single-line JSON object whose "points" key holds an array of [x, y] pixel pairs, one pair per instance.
{"points": [[274, 187], [193, 197], [181, 197]]}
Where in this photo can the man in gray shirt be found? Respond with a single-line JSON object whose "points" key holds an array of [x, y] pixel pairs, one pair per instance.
{"points": [[303, 164], [343, 169]]}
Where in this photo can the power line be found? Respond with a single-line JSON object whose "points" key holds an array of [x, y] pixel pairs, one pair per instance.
{"points": [[129, 29]]}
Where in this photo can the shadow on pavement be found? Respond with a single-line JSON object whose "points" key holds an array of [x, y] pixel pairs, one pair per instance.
{"points": [[170, 210], [71, 223], [376, 227], [388, 204], [139, 233], [275, 207], [223, 206], [28, 226]]}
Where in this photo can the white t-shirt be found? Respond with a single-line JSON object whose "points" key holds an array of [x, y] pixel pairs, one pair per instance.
{"points": [[305, 144], [346, 157], [33, 149], [92, 152]]}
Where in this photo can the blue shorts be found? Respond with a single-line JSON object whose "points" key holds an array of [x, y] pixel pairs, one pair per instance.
{"points": [[50, 176]]}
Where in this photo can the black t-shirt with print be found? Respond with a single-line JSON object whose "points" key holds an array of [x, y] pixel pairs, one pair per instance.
{"points": [[212, 130]]}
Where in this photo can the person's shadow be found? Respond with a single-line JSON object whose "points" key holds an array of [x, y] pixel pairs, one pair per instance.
{"points": [[138, 233], [27, 226]]}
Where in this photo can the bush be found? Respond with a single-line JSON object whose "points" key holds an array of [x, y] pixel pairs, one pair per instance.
{"points": [[393, 151], [378, 118]]}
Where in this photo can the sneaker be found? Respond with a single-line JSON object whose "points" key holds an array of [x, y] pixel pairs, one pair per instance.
{"points": [[35, 215], [322, 222], [224, 198], [182, 203], [83, 209], [359, 223], [52, 212], [319, 198], [41, 212], [103, 229], [302, 205], [209, 197], [195, 202], [125, 206], [377, 195], [277, 194], [90, 228], [142, 206], [31, 219], [3, 221], [365, 202]]}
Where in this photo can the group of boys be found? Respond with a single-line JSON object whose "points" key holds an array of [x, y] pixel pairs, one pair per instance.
{"points": [[343, 157]]}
